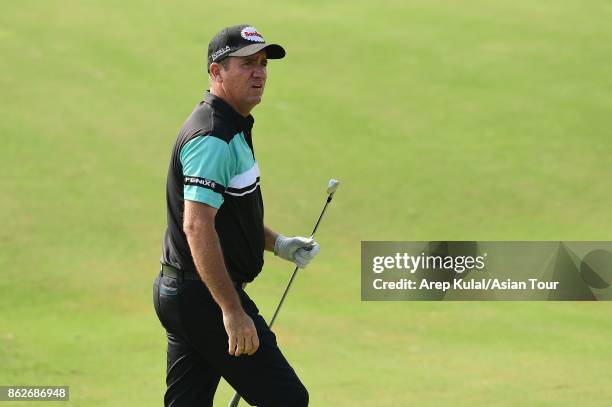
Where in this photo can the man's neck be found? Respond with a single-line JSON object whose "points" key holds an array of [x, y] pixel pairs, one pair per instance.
{"points": [[220, 94]]}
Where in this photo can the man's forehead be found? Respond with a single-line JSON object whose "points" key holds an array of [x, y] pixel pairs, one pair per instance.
{"points": [[259, 56]]}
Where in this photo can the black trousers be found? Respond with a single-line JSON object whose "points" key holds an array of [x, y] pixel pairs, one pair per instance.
{"points": [[197, 351]]}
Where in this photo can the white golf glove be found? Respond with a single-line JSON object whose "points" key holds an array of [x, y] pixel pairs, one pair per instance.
{"points": [[300, 250]]}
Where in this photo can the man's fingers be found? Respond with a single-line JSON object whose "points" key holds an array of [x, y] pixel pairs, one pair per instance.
{"points": [[299, 242], [301, 263], [231, 344], [308, 253], [239, 346], [303, 257], [303, 241], [255, 342], [248, 346], [242, 334]]}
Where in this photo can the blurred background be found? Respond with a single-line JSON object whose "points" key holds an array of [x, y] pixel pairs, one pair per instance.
{"points": [[472, 120]]}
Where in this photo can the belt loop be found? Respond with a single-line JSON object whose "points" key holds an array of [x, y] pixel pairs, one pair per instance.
{"points": [[180, 276]]}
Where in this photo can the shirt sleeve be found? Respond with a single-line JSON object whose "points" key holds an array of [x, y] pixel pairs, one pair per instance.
{"points": [[207, 165]]}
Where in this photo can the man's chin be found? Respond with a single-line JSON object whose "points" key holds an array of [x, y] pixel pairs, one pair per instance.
{"points": [[254, 100]]}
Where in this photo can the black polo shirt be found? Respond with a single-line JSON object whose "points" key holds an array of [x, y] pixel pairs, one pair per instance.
{"points": [[213, 162]]}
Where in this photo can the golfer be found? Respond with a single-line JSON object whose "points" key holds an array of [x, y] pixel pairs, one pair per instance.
{"points": [[215, 239]]}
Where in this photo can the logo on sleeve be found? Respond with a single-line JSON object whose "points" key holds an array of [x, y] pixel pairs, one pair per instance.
{"points": [[204, 183], [251, 34]]}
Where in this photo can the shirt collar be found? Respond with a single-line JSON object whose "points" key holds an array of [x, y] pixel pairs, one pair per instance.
{"points": [[219, 104]]}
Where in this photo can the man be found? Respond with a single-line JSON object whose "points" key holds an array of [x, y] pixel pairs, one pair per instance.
{"points": [[215, 240]]}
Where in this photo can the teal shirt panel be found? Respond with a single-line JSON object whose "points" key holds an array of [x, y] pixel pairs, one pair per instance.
{"points": [[210, 158], [241, 150], [213, 159]]}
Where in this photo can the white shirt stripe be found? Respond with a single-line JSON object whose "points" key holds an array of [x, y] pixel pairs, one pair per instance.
{"points": [[245, 179], [244, 192]]}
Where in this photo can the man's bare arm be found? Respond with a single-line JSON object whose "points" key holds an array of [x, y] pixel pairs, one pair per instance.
{"points": [[199, 226], [270, 238]]}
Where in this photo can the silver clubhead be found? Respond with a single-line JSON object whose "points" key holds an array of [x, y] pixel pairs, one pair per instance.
{"points": [[332, 186]]}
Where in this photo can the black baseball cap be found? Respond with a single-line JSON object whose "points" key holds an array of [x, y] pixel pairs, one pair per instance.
{"points": [[240, 41]]}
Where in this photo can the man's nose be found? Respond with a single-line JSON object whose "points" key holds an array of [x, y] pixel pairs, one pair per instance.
{"points": [[260, 71]]}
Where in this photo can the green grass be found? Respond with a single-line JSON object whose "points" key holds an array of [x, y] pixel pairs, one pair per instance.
{"points": [[444, 120]]}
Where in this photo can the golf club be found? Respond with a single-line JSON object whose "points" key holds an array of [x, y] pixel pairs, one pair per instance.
{"points": [[332, 186]]}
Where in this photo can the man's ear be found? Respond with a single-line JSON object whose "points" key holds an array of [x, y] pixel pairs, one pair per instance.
{"points": [[215, 71]]}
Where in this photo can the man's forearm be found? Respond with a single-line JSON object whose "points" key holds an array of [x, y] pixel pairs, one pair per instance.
{"points": [[270, 238], [208, 258]]}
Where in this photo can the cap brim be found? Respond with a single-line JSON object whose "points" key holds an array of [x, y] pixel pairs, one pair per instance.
{"points": [[273, 51]]}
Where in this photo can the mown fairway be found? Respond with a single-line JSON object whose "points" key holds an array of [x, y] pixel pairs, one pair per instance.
{"points": [[444, 121]]}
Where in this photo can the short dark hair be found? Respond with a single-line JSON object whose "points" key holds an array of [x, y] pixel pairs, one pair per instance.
{"points": [[224, 63]]}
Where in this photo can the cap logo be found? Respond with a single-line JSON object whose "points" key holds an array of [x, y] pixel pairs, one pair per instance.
{"points": [[220, 52], [251, 34]]}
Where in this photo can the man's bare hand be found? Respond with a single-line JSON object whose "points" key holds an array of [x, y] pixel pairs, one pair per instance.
{"points": [[241, 331]]}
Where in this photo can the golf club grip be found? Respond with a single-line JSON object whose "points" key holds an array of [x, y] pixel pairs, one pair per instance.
{"points": [[235, 400]]}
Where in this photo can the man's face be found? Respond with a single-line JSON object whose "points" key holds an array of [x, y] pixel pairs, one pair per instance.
{"points": [[244, 80]]}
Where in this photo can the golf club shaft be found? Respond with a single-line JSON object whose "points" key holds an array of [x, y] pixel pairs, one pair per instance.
{"points": [[295, 270], [236, 398], [329, 198]]}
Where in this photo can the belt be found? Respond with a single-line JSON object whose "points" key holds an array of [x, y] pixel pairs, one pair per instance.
{"points": [[173, 272], [179, 274]]}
